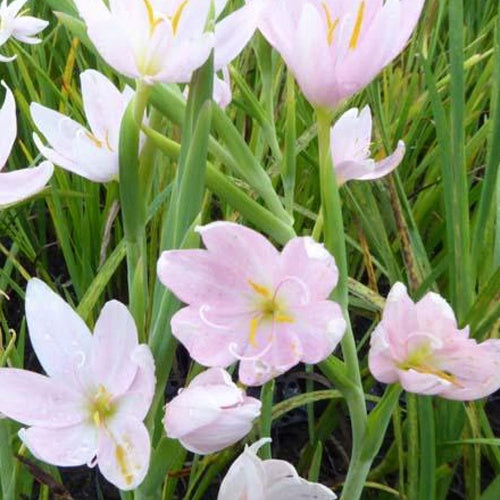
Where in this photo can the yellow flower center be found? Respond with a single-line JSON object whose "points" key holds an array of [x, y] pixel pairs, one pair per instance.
{"points": [[101, 406], [421, 361], [269, 308]]}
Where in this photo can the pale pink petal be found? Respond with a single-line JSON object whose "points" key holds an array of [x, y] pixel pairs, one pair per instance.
{"points": [[212, 376], [246, 477], [8, 124], [305, 261], [387, 165], [25, 27], [351, 136], [209, 342], [234, 32], [137, 400], [198, 277], [222, 93], [296, 487], [283, 483], [60, 338], [113, 342], [21, 184], [422, 383], [74, 148], [319, 327], [227, 429], [64, 446], [191, 409], [123, 452], [312, 64], [246, 251], [193, 18], [380, 360], [113, 45], [33, 399], [184, 57], [104, 105], [435, 315]]}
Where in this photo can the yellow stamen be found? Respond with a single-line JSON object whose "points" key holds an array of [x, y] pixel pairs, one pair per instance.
{"points": [[97, 419], [94, 139], [177, 16], [439, 373], [261, 290], [332, 25], [153, 22], [121, 458], [283, 318], [254, 325], [357, 27]]}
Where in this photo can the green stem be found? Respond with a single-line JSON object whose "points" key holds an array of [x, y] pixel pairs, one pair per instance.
{"points": [[133, 205], [334, 239]]}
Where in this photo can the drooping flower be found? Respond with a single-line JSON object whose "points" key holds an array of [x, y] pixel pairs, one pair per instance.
{"points": [[92, 154], [249, 477], [337, 47], [211, 413], [420, 346], [15, 24], [350, 143], [164, 40], [98, 389], [248, 302], [20, 184]]}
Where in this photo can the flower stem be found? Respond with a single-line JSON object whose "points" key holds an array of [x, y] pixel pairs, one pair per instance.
{"points": [[334, 239]]}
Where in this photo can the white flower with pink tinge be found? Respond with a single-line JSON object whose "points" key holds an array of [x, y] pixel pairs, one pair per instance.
{"points": [[166, 40], [17, 185], [211, 413], [98, 389], [249, 302], [420, 346], [335, 48], [350, 144], [250, 478], [15, 24], [93, 153]]}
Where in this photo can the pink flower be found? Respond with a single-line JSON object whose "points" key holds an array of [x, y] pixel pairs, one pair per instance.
{"points": [[350, 143], [249, 477], [211, 414], [165, 40], [337, 47], [250, 303], [98, 389], [14, 23], [420, 346], [20, 184], [93, 153]]}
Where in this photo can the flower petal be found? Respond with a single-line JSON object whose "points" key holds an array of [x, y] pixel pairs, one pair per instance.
{"points": [[8, 123], [64, 446], [246, 477], [136, 401], [209, 342], [234, 32], [104, 106], [22, 184], [33, 399], [123, 452], [113, 342], [248, 252], [319, 327], [313, 265], [60, 338], [387, 165], [201, 278]]}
